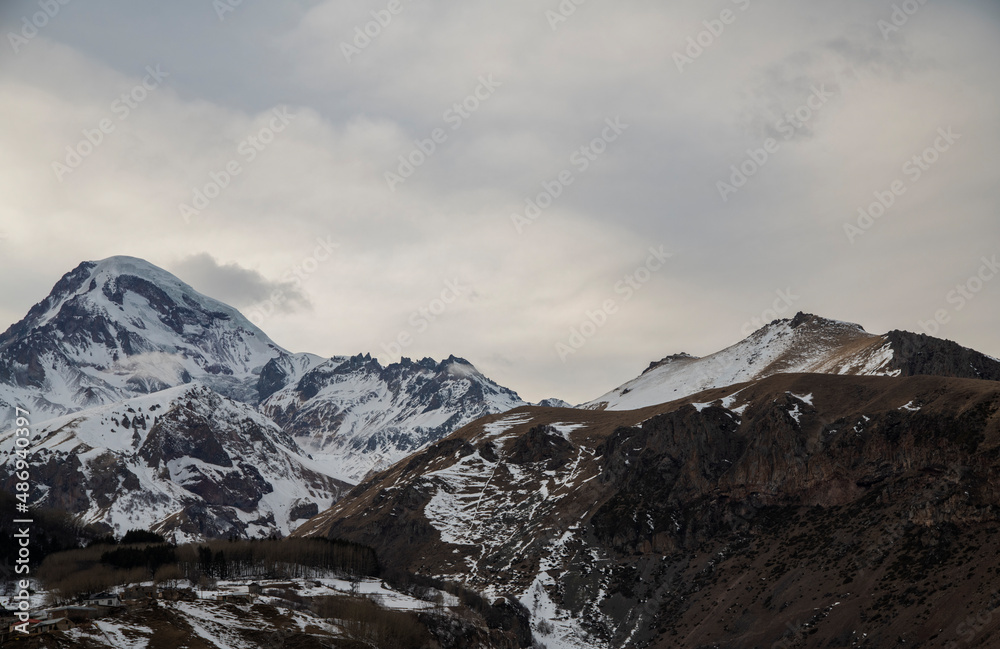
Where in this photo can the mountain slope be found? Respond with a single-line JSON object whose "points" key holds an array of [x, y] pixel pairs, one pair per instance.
{"points": [[355, 416], [804, 344], [815, 510], [120, 327], [185, 461]]}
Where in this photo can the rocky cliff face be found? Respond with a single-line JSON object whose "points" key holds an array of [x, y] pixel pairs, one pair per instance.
{"points": [[923, 354], [813, 510]]}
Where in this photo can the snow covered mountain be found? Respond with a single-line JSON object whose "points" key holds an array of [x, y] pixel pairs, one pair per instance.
{"points": [[121, 327], [803, 344], [119, 338], [355, 416], [185, 461]]}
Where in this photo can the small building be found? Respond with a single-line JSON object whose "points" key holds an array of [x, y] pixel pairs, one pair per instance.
{"points": [[32, 624], [178, 594], [139, 592], [75, 614], [233, 598], [55, 624], [109, 600]]}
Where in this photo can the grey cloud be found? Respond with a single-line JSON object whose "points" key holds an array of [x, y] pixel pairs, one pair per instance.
{"points": [[837, 66], [656, 185], [238, 286]]}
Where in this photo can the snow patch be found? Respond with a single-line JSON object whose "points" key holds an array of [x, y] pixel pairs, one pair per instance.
{"points": [[566, 429]]}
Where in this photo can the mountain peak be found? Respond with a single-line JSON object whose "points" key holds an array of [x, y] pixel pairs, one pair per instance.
{"points": [[802, 318], [803, 325], [91, 285], [667, 360], [121, 326], [453, 361], [120, 274], [122, 264], [805, 343], [810, 322]]}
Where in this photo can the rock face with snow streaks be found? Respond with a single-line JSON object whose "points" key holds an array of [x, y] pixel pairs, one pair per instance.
{"points": [[185, 461], [720, 519], [357, 416]]}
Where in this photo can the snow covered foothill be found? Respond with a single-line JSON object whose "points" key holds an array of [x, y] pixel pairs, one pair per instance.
{"points": [[274, 614], [481, 504], [801, 345]]}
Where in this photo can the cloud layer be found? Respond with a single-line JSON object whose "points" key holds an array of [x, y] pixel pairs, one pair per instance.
{"points": [[468, 146]]}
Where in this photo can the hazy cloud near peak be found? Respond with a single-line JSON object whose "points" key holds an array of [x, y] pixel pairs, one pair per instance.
{"points": [[238, 286]]}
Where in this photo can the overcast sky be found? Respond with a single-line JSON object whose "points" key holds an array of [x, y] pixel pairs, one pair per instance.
{"points": [[626, 122]]}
